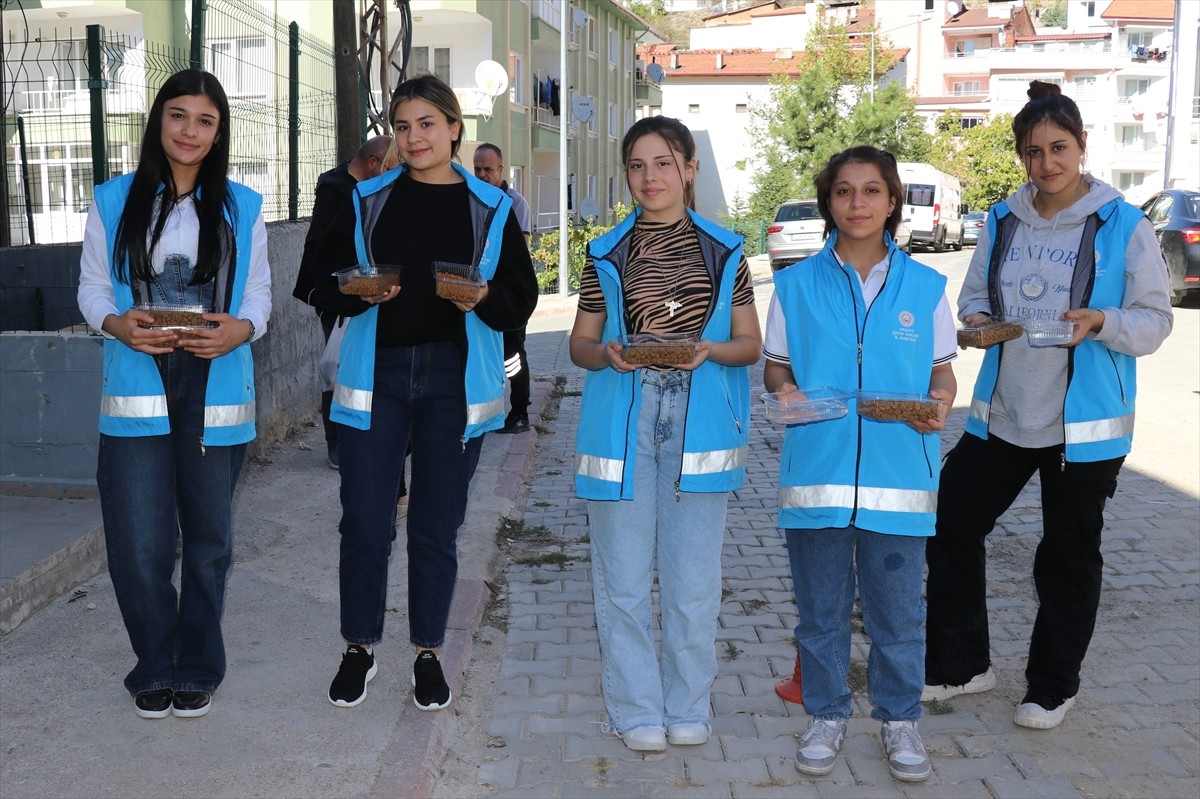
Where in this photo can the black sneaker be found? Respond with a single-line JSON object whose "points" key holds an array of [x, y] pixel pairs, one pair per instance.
{"points": [[430, 691], [515, 423], [190, 704], [349, 687], [153, 704], [334, 461]]}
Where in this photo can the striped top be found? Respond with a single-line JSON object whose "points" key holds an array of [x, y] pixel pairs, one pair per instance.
{"points": [[666, 270]]}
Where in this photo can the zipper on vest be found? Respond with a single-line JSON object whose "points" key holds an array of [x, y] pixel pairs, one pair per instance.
{"points": [[1117, 374], [1062, 459], [203, 452]]}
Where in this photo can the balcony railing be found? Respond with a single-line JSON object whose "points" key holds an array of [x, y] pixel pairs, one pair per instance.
{"points": [[549, 11]]}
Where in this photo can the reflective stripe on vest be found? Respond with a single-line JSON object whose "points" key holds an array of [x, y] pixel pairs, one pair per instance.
{"points": [[714, 461], [356, 399], [482, 411], [599, 468], [228, 415], [894, 500], [980, 410], [1099, 430], [127, 407]]}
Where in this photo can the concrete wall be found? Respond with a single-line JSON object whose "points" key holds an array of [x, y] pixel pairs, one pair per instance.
{"points": [[50, 384]]}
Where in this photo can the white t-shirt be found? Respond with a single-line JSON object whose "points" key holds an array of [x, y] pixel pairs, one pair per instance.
{"points": [[945, 339]]}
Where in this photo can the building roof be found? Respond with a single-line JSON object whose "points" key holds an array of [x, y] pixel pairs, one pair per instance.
{"points": [[1019, 22], [1157, 10], [736, 15], [1064, 37], [744, 63], [779, 12]]}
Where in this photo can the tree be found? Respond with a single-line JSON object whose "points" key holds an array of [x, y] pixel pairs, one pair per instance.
{"points": [[1054, 15], [827, 108], [982, 158], [545, 254]]}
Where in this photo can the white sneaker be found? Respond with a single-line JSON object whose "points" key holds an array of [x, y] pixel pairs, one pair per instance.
{"points": [[1036, 717], [645, 739], [819, 746], [691, 733], [976, 685], [907, 758]]}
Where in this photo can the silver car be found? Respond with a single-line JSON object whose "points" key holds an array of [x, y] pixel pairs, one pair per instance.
{"points": [[797, 232]]}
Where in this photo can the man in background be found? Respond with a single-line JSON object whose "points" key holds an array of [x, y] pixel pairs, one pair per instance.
{"points": [[489, 167], [329, 230]]}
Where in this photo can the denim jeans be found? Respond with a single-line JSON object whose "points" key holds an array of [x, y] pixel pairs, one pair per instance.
{"points": [[683, 532], [419, 392], [153, 490], [981, 480], [889, 571]]}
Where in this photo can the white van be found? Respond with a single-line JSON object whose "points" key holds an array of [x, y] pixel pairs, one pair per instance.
{"points": [[932, 206]]}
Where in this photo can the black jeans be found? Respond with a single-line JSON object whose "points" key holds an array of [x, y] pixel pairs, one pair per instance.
{"points": [[518, 381], [980, 480]]}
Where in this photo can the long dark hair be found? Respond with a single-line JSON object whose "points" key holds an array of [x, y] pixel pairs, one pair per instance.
{"points": [[882, 160], [1046, 103], [677, 137], [131, 251]]}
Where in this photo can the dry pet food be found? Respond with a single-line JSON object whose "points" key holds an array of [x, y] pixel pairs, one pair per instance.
{"points": [[900, 407], [457, 282], [648, 349], [174, 317], [988, 335]]}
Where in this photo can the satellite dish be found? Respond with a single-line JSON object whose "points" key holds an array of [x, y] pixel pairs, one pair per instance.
{"points": [[955, 7], [491, 77], [589, 208], [579, 17], [583, 108], [656, 72]]}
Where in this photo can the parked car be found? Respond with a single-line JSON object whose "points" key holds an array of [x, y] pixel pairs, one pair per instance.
{"points": [[972, 224], [1175, 214], [797, 232], [904, 236]]}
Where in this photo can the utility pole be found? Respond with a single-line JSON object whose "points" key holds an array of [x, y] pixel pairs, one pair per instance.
{"points": [[345, 68]]}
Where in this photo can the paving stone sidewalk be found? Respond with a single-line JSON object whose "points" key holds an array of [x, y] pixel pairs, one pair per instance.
{"points": [[1134, 731]]}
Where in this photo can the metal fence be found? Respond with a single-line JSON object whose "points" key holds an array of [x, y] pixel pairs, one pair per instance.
{"points": [[78, 107]]}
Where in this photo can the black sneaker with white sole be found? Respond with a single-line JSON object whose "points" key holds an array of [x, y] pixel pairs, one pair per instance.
{"points": [[190, 704], [153, 704], [430, 691], [358, 668]]}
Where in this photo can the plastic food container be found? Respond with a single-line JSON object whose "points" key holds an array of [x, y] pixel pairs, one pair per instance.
{"points": [[457, 282], [366, 280], [658, 349], [176, 317], [991, 334], [806, 405], [1050, 332], [883, 406]]}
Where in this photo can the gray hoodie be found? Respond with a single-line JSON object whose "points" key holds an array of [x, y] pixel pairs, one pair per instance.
{"points": [[1035, 283]]}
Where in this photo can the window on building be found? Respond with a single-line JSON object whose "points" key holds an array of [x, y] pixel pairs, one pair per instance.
{"points": [[929, 5], [517, 90], [612, 191], [614, 46], [693, 108], [591, 188], [241, 66], [1090, 8], [971, 122], [613, 120], [419, 64], [1134, 87], [1130, 135], [741, 108], [962, 87], [964, 49], [593, 36], [1129, 180], [1085, 89]]}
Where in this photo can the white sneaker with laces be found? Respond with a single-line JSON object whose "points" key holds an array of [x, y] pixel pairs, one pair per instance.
{"points": [[690, 733], [976, 685], [1036, 717], [645, 739], [819, 746], [907, 759]]}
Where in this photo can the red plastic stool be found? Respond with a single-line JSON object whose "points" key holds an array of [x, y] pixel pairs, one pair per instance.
{"points": [[791, 690]]}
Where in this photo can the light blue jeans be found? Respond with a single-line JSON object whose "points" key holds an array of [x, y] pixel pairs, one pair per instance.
{"points": [[682, 533], [889, 576]]}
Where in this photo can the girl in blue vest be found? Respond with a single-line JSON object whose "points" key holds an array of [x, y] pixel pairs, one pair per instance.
{"points": [[660, 448], [176, 409], [857, 497], [1064, 246], [415, 368]]}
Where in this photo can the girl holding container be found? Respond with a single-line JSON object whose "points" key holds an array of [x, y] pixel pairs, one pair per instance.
{"points": [[1065, 251], [660, 448], [177, 406], [858, 495]]}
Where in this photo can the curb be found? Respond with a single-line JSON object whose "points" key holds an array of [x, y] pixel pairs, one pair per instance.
{"points": [[412, 759], [50, 578]]}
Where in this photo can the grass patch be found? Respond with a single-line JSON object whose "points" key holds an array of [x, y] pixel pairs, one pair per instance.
{"points": [[731, 652], [938, 707], [754, 605], [518, 530], [545, 559]]}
